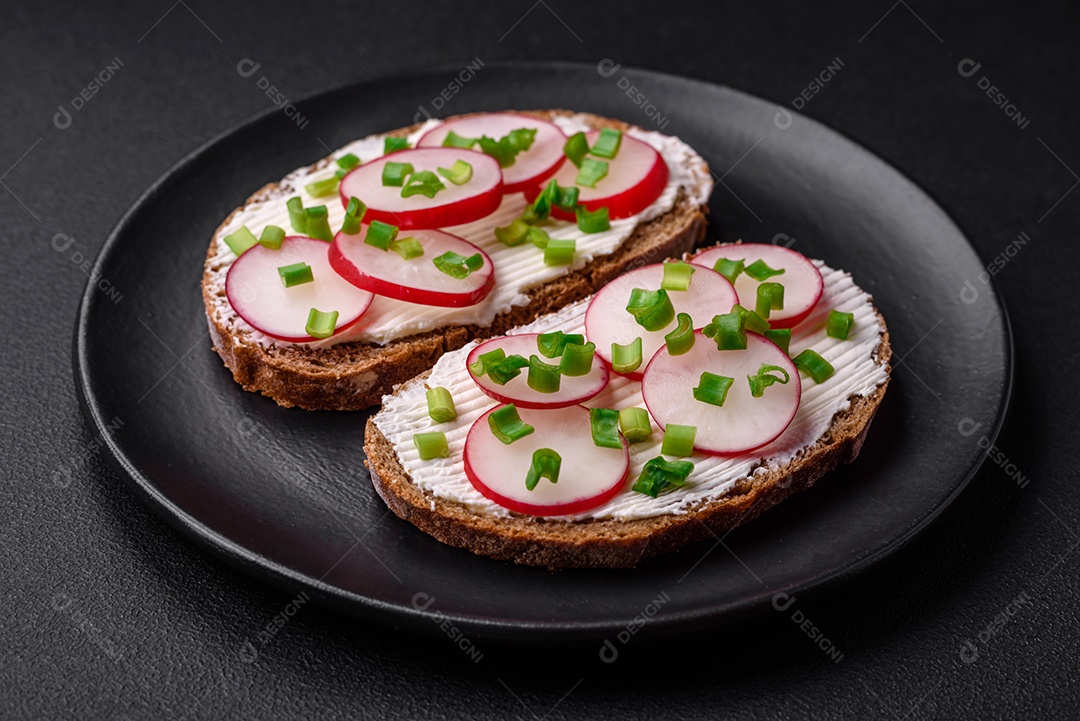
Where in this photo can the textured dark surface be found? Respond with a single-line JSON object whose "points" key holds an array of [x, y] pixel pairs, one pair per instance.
{"points": [[110, 614]]}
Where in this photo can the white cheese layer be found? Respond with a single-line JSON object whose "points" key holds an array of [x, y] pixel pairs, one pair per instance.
{"points": [[857, 374], [517, 269]]}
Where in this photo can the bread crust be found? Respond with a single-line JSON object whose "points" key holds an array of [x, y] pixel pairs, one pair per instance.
{"points": [[356, 375]]}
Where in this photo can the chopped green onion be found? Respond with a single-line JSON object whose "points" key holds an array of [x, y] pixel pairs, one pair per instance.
{"points": [[591, 172], [758, 270], [659, 473], [394, 174], [764, 378], [501, 149], [271, 237], [540, 208], [539, 237], [348, 161], [552, 345], [453, 140], [681, 340], [770, 296], [381, 235], [522, 139], [391, 145], [543, 377], [297, 216], [459, 173], [545, 464], [407, 248], [320, 324], [241, 240], [354, 213], [506, 424], [754, 322], [730, 269], [340, 173], [560, 252], [577, 359], [678, 440], [576, 148], [605, 427], [458, 266], [350, 225], [652, 309], [677, 275], [780, 336], [728, 330], [322, 188], [607, 145], [566, 198], [504, 371], [514, 234], [431, 445], [839, 324], [635, 424], [712, 388], [485, 361], [440, 405], [422, 182], [813, 365], [295, 274], [593, 221], [318, 224], [626, 358]]}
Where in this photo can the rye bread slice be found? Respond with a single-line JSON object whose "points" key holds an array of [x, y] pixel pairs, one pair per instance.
{"points": [[355, 375], [533, 541]]}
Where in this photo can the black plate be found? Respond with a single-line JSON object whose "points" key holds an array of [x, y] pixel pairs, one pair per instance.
{"points": [[283, 494]]}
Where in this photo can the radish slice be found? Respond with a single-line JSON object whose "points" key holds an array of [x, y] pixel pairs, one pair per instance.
{"points": [[801, 279], [531, 167], [589, 475], [636, 177], [607, 321], [454, 205], [258, 295], [417, 280], [743, 423], [572, 389]]}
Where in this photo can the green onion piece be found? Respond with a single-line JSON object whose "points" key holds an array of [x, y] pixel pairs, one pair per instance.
{"points": [[539, 237], [502, 372], [506, 424], [297, 216], [728, 330], [422, 182], [780, 336], [501, 149], [593, 222], [607, 145], [545, 464], [566, 198], [391, 145], [577, 359], [295, 274], [678, 440], [677, 275], [431, 445], [514, 234], [318, 224], [758, 270], [459, 173], [271, 237], [712, 388], [485, 361], [543, 377], [540, 208], [340, 173], [322, 188], [730, 269], [770, 296], [381, 235], [458, 266], [354, 213], [605, 427], [320, 324], [635, 424], [764, 378], [350, 225], [348, 161], [241, 240], [551, 345], [652, 309], [453, 140], [839, 324], [560, 252], [754, 322], [660, 473], [576, 148], [681, 339], [440, 405], [813, 365], [591, 172], [394, 174], [522, 139], [626, 358], [407, 248]]}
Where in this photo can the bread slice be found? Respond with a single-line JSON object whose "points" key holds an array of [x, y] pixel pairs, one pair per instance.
{"points": [[355, 375]]}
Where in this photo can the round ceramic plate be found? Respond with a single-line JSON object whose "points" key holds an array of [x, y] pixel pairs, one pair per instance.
{"points": [[284, 495]]}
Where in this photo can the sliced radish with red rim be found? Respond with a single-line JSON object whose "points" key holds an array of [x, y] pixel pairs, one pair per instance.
{"points": [[589, 475], [744, 422], [258, 295], [453, 205], [802, 281], [531, 167], [417, 280], [572, 389], [607, 321]]}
